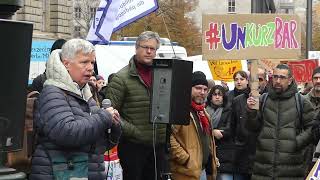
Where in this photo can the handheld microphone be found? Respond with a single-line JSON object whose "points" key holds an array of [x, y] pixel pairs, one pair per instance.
{"points": [[106, 103]]}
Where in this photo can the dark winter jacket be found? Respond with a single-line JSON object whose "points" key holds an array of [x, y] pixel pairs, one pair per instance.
{"points": [[280, 144], [129, 94], [225, 145], [245, 141], [234, 93], [37, 83], [315, 101], [69, 122]]}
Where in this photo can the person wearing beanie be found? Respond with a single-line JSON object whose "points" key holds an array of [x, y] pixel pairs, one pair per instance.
{"points": [[193, 150]]}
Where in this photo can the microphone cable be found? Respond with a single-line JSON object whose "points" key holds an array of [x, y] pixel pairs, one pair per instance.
{"points": [[154, 133]]}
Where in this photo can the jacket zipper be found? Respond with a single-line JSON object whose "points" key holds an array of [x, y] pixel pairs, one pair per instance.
{"points": [[276, 144]]}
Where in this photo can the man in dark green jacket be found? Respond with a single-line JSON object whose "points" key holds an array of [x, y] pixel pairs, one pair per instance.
{"points": [[129, 92], [281, 136]]}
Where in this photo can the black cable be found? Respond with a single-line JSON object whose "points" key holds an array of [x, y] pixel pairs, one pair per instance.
{"points": [[154, 128]]}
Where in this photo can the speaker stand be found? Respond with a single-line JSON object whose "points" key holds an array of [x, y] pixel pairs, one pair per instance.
{"points": [[9, 173], [166, 175]]}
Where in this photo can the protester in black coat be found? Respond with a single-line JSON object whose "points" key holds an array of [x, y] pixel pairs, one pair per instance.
{"points": [[220, 117]]}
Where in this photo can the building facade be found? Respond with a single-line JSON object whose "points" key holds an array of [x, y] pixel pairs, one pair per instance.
{"points": [[51, 18], [221, 7], [83, 14], [54, 19]]}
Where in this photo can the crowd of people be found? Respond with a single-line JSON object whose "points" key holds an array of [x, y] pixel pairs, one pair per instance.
{"points": [[227, 138]]}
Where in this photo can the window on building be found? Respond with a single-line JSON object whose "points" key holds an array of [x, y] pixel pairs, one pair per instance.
{"points": [[77, 11], [92, 12], [77, 31], [231, 6]]}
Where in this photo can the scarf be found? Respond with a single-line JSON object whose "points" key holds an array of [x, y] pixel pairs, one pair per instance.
{"points": [[204, 121], [215, 115]]}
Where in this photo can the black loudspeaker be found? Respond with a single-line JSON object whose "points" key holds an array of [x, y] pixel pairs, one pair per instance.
{"points": [[171, 91], [15, 48]]}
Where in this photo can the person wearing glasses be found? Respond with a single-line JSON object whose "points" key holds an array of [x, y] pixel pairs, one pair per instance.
{"points": [[129, 92], [282, 135]]}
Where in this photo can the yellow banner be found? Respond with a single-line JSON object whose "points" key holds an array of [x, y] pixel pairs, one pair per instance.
{"points": [[223, 70]]}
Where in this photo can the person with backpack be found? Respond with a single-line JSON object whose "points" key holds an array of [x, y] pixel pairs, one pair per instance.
{"points": [[283, 128]]}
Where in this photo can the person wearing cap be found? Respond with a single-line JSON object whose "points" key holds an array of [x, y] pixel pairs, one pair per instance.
{"points": [[193, 150]]}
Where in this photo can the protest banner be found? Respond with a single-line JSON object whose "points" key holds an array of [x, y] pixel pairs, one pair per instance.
{"points": [[223, 70], [302, 70], [254, 36]]}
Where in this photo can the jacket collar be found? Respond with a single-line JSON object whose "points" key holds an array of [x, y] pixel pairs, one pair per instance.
{"points": [[292, 89]]}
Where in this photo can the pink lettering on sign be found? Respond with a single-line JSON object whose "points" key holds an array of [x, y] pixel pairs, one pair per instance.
{"points": [[284, 34]]}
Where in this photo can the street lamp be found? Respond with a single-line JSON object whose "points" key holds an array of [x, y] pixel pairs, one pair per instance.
{"points": [[309, 28]]}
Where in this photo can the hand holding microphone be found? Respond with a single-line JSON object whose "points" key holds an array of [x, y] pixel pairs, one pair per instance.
{"points": [[106, 104]]}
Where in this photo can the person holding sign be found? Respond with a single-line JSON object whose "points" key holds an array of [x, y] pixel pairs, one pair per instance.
{"points": [[283, 122]]}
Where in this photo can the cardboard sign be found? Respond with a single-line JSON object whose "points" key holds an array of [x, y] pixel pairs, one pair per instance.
{"points": [[302, 70], [223, 70], [254, 36]]}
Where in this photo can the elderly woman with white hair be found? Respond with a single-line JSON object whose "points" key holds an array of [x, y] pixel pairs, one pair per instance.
{"points": [[73, 133]]}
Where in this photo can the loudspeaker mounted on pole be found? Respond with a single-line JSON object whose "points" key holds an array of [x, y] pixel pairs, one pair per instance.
{"points": [[171, 91]]}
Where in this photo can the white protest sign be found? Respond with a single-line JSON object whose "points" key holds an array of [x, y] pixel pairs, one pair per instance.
{"points": [[113, 15]]}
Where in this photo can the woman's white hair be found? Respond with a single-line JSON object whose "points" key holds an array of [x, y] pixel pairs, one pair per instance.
{"points": [[74, 46]]}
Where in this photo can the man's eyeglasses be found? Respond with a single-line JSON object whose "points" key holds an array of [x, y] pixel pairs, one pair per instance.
{"points": [[152, 49], [281, 77]]}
